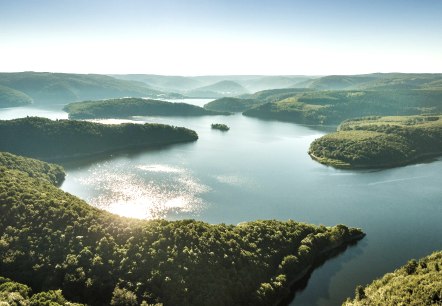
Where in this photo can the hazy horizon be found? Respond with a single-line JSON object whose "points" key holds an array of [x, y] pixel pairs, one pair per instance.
{"points": [[198, 38]]}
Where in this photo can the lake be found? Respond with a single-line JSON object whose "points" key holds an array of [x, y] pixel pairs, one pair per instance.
{"points": [[261, 170]]}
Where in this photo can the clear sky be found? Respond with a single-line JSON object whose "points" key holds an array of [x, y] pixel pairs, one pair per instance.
{"points": [[200, 37]]}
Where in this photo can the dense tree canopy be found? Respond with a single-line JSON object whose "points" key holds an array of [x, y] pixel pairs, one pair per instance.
{"points": [[50, 239], [230, 104], [50, 140], [220, 126], [416, 283], [126, 107], [332, 107], [380, 142], [17, 294], [10, 97], [33, 167]]}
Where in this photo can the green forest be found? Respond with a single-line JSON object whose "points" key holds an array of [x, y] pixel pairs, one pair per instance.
{"points": [[46, 88], [380, 142], [220, 126], [333, 107], [35, 168], [11, 98], [51, 240], [230, 104], [419, 282], [60, 139], [126, 107]]}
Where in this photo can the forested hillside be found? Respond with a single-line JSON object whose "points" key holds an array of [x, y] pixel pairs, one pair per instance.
{"points": [[50, 239], [10, 97], [333, 107], [33, 167], [126, 107], [416, 283], [380, 142], [51, 140], [61, 88]]}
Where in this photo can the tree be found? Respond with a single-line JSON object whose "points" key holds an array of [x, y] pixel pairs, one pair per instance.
{"points": [[123, 297]]}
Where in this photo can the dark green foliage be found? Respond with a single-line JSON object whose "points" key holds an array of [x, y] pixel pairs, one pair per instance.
{"points": [[220, 126], [230, 104], [10, 97], [411, 266], [123, 297], [413, 284], [126, 107], [332, 107], [380, 142], [50, 140], [13, 293], [51, 239], [33, 167], [360, 293], [55, 88]]}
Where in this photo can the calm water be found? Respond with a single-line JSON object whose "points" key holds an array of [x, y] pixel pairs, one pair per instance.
{"points": [[261, 170]]}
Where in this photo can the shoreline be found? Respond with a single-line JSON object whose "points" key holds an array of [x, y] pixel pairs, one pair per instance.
{"points": [[324, 254], [61, 158], [348, 166]]}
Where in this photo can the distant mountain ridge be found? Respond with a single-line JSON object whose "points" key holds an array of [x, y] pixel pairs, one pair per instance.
{"points": [[219, 89], [60, 88], [376, 81], [186, 84], [10, 97]]}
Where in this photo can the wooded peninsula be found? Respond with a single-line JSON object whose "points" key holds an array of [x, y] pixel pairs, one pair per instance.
{"points": [[416, 283], [376, 142], [53, 240], [62, 139], [126, 107]]}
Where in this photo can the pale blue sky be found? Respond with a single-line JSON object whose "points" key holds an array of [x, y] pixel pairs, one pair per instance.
{"points": [[221, 37]]}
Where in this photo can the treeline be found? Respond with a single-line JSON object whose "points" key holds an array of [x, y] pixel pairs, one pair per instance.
{"points": [[51, 140], [333, 107], [416, 283], [34, 168], [50, 239], [46, 88], [126, 107], [230, 104], [380, 142], [10, 97]]}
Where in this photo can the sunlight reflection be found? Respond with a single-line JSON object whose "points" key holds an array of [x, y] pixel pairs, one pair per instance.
{"points": [[144, 191]]}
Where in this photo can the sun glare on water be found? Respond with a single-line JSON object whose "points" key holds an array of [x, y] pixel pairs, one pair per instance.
{"points": [[145, 191]]}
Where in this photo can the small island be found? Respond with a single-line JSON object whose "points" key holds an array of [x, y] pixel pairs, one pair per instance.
{"points": [[59, 242], [220, 126], [377, 142], [415, 283], [65, 139], [127, 107]]}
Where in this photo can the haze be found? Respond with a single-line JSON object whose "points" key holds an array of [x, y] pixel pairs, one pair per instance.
{"points": [[199, 37]]}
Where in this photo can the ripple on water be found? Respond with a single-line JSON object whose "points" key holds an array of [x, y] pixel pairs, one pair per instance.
{"points": [[144, 191]]}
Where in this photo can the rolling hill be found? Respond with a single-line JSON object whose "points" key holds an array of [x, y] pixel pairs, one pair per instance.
{"points": [[61, 88], [126, 107], [377, 142], [11, 98]]}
